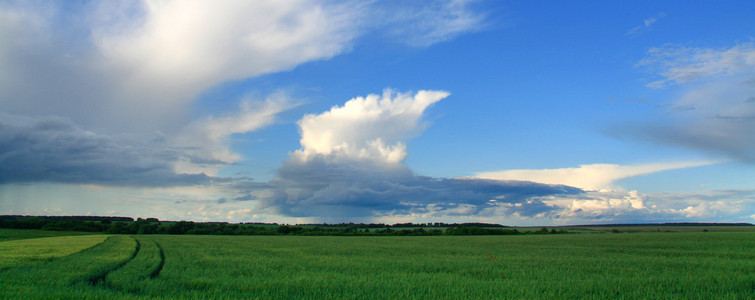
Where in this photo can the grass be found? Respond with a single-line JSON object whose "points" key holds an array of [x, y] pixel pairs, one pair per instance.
{"points": [[68, 277], [145, 266], [20, 234], [40, 250], [638, 265]]}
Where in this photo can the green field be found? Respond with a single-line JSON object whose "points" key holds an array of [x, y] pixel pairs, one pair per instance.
{"points": [[20, 234], [28, 252], [700, 265]]}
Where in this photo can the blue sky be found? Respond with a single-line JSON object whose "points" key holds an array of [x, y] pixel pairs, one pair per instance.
{"points": [[522, 113]]}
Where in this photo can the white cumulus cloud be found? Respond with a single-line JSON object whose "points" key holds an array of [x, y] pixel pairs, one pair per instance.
{"points": [[351, 166], [371, 128]]}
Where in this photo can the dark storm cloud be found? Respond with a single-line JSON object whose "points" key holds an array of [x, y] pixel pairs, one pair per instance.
{"points": [[52, 149], [324, 188]]}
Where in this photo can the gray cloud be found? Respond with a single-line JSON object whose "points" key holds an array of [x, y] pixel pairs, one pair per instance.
{"points": [[351, 166], [728, 135], [128, 68], [53, 149], [144, 65], [324, 188], [713, 112]]}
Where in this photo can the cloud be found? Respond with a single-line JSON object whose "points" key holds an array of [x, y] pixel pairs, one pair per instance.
{"points": [[610, 207], [53, 149], [143, 63], [633, 207], [713, 112], [207, 142], [177, 49], [645, 24], [601, 201], [591, 207], [366, 128], [330, 190], [729, 205], [134, 68], [101, 93], [324, 187], [588, 177], [678, 65], [613, 206], [137, 67], [424, 24], [351, 166], [41, 73], [194, 202]]}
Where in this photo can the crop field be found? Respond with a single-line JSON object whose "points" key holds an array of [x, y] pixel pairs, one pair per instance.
{"points": [[19, 234], [699, 265], [26, 252]]}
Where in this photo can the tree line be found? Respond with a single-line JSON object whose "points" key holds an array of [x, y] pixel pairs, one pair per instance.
{"points": [[154, 226]]}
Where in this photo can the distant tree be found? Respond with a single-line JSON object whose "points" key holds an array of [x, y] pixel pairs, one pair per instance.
{"points": [[284, 229], [117, 228], [180, 227], [148, 229]]}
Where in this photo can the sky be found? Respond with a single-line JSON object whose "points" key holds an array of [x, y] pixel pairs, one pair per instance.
{"points": [[292, 111]]}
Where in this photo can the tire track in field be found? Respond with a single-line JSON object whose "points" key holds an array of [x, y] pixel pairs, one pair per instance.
{"points": [[99, 277], [159, 267], [131, 287]]}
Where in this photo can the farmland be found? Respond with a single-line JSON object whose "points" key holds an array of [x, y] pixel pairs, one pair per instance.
{"points": [[633, 265], [24, 252]]}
